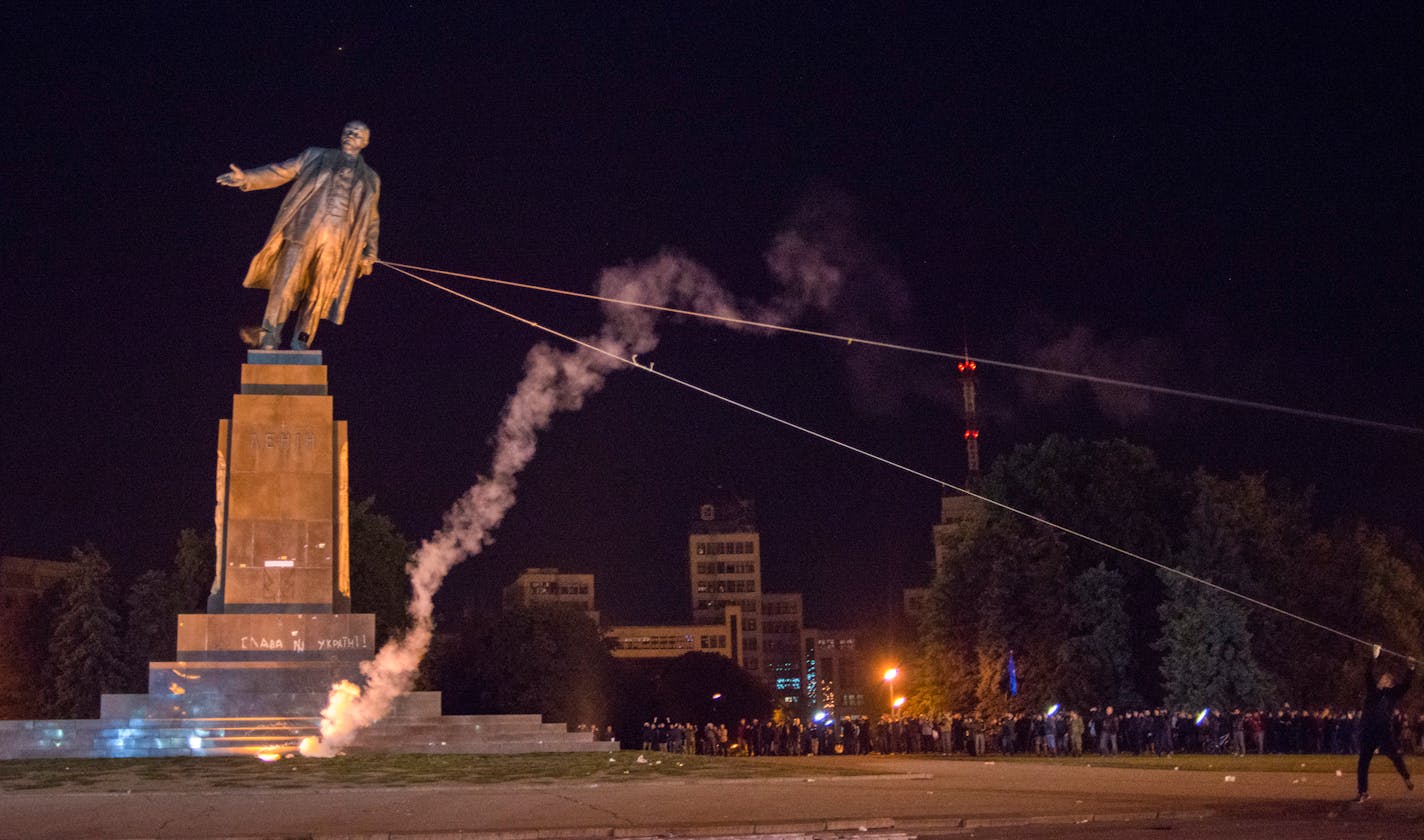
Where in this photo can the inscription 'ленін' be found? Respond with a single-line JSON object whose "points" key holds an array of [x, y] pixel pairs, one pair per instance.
{"points": [[283, 440]]}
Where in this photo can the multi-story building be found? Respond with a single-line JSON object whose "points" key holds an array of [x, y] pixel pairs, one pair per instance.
{"points": [[670, 642], [839, 680], [724, 564], [724, 561], [550, 586], [781, 631]]}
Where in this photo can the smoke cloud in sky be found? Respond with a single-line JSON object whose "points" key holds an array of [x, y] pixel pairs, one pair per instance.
{"points": [[555, 381], [827, 265], [1081, 350]]}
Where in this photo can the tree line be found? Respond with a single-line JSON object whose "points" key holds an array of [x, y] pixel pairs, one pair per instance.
{"points": [[1088, 626], [84, 638]]}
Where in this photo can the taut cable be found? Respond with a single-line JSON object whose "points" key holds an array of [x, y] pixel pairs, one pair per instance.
{"points": [[896, 465]]}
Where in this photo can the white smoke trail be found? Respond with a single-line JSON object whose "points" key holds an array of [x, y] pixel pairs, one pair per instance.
{"points": [[553, 381]]}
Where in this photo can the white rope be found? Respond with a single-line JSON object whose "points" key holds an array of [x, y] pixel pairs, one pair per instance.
{"points": [[648, 368], [1023, 368]]}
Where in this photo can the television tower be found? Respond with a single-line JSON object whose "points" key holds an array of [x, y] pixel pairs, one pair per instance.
{"points": [[958, 512], [971, 420]]}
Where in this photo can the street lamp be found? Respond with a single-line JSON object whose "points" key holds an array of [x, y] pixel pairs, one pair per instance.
{"points": [[890, 674]]}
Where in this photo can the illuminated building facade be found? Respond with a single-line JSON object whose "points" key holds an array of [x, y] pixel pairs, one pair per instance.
{"points": [[839, 680], [672, 641], [781, 630], [550, 586], [724, 563]]}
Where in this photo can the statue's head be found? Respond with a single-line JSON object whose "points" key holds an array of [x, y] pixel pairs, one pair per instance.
{"points": [[355, 135]]}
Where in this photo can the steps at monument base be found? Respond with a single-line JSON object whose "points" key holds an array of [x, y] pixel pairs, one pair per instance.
{"points": [[149, 738], [196, 705], [474, 735], [157, 737]]}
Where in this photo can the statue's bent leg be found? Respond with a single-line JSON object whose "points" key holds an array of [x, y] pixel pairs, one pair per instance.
{"points": [[324, 271], [307, 319], [288, 283]]}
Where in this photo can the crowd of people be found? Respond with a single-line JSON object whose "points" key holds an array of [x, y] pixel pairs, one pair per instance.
{"points": [[1379, 725], [1103, 731]]}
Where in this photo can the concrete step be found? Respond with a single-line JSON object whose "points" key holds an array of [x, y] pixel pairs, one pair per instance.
{"points": [[136, 737]]}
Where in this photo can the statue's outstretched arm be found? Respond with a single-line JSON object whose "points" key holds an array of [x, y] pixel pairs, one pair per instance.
{"points": [[263, 177]]}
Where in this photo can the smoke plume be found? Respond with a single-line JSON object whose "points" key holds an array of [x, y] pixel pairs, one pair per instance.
{"points": [[1081, 351], [826, 263], [554, 381]]}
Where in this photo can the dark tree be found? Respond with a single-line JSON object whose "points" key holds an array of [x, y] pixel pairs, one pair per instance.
{"points": [[1207, 654], [686, 690], [157, 598], [945, 661], [1110, 489], [1121, 631], [379, 585], [547, 660], [1001, 587], [84, 653], [151, 631], [1114, 491], [1021, 609], [1098, 657], [194, 566], [1206, 647], [1376, 593]]}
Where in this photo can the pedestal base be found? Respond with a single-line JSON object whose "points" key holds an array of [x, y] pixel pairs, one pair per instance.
{"points": [[415, 726]]}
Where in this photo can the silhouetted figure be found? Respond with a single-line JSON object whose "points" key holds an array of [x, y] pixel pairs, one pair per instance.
{"points": [[1376, 732]]}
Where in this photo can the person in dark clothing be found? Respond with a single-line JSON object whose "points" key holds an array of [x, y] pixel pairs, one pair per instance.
{"points": [[1381, 696]]}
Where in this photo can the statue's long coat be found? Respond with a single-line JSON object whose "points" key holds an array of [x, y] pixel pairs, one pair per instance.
{"points": [[309, 172]]}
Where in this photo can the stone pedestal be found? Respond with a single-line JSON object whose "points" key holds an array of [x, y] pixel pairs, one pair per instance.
{"points": [[252, 675], [282, 507], [278, 631]]}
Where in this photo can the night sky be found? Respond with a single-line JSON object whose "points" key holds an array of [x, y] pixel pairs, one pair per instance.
{"points": [[1208, 199]]}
